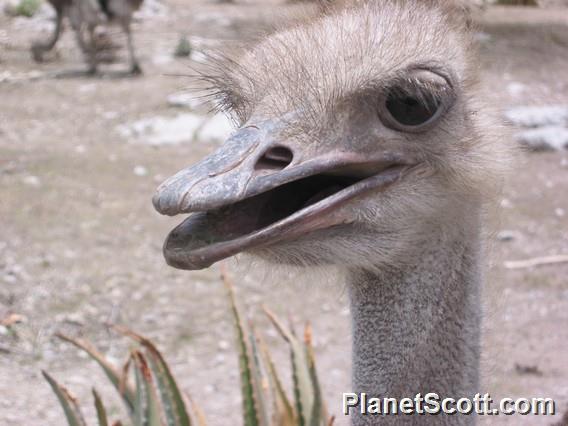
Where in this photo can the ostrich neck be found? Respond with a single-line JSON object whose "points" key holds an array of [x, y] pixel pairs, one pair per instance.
{"points": [[417, 328]]}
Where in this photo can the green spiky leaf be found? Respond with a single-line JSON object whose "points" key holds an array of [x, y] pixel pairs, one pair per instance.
{"points": [[254, 411], [101, 411], [68, 402], [172, 400], [260, 382], [319, 416], [147, 407], [120, 383], [303, 387], [283, 410]]}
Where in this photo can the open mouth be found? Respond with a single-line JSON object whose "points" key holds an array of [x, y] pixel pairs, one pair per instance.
{"points": [[283, 213]]}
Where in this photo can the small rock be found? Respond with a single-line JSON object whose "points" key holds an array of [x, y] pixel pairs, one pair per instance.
{"points": [[74, 318], [82, 354], [507, 236], [183, 100], [87, 88], [32, 181], [13, 319], [162, 59], [213, 18], [152, 9], [110, 115], [533, 116], [516, 89], [223, 345], [160, 130], [527, 369], [550, 138], [140, 171], [217, 129], [560, 212]]}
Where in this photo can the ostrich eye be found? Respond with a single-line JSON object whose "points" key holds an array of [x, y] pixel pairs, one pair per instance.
{"points": [[411, 111], [413, 104]]}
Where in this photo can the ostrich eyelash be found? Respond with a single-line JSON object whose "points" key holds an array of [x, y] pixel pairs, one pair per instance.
{"points": [[423, 91], [220, 78]]}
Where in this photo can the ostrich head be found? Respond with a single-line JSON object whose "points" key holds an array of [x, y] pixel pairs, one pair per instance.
{"points": [[359, 131]]}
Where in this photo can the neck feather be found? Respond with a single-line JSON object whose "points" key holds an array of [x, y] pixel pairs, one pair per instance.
{"points": [[417, 328]]}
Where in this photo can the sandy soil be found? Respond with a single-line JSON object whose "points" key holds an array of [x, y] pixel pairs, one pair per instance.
{"points": [[80, 244]]}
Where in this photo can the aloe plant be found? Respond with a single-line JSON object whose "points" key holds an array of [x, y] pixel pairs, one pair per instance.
{"points": [[152, 397]]}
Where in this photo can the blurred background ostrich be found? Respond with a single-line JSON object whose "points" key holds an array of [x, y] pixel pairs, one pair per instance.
{"points": [[84, 17]]}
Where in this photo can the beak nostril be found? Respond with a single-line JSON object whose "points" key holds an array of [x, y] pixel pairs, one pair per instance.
{"points": [[276, 158]]}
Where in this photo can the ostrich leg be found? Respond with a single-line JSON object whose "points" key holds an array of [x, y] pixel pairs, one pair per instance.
{"points": [[134, 65], [39, 48]]}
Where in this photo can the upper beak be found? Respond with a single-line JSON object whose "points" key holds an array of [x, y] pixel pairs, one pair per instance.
{"points": [[226, 176], [256, 159]]}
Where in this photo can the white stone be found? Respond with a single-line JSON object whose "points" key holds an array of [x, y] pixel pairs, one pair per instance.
{"points": [[223, 345], [516, 89], [538, 116], [140, 171], [183, 100], [110, 115], [219, 19], [549, 138], [152, 9], [162, 59], [507, 235], [216, 129], [162, 130], [87, 88], [32, 181]]}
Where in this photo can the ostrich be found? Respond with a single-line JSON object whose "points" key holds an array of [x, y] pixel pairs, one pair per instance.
{"points": [[362, 143], [88, 14]]}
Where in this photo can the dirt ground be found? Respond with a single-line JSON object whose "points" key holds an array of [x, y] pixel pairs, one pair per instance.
{"points": [[80, 243]]}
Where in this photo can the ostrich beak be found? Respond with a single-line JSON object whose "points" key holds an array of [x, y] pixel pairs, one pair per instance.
{"points": [[262, 187]]}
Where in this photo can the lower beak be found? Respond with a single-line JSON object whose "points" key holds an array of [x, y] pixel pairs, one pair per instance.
{"points": [[259, 189]]}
